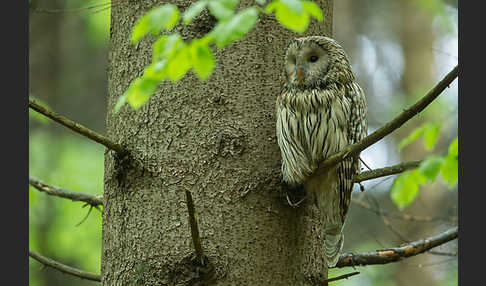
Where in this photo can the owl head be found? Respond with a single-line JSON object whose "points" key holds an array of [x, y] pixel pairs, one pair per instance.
{"points": [[316, 61]]}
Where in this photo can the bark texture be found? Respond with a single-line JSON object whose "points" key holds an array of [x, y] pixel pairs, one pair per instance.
{"points": [[217, 140]]}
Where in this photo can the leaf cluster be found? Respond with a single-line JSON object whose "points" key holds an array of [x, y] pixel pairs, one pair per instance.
{"points": [[406, 186], [172, 57]]}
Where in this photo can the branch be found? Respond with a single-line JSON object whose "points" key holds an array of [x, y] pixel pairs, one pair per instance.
{"points": [[388, 128], [345, 276], [64, 268], [387, 171], [194, 229], [76, 127], [67, 194], [396, 254]]}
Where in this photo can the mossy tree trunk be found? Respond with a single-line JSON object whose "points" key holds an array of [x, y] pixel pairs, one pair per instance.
{"points": [[217, 140]]}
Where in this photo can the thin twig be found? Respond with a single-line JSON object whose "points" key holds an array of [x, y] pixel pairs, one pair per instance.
{"points": [[405, 217], [194, 229], [387, 171], [64, 268], [364, 163], [67, 194], [396, 254], [388, 128], [70, 10], [442, 253], [85, 217], [80, 129], [386, 222], [105, 5], [344, 276]]}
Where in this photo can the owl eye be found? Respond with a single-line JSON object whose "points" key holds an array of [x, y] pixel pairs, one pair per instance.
{"points": [[313, 59]]}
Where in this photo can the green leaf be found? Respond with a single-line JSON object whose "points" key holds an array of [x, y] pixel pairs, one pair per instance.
{"points": [[140, 91], [120, 102], [430, 130], [179, 64], [170, 58], [430, 167], [235, 28], [193, 10], [202, 59], [313, 9], [142, 27], [231, 4], [162, 17], [412, 137], [449, 170], [222, 10], [297, 22], [431, 133], [261, 2], [156, 71], [453, 148], [405, 188], [294, 5], [166, 47]]}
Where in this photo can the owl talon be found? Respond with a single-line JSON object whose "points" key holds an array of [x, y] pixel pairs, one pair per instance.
{"points": [[294, 205], [297, 192]]}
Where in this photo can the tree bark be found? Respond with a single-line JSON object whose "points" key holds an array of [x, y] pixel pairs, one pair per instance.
{"points": [[217, 140]]}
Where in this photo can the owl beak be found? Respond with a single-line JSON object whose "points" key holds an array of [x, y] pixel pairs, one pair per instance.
{"points": [[300, 75]]}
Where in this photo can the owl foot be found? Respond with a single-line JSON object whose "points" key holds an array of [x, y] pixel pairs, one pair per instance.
{"points": [[294, 193], [294, 205]]}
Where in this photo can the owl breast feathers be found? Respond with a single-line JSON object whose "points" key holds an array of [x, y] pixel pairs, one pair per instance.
{"points": [[320, 110]]}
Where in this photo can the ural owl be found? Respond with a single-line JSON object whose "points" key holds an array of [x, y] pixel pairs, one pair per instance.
{"points": [[320, 110]]}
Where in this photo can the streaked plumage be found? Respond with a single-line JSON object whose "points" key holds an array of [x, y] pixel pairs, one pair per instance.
{"points": [[320, 110]]}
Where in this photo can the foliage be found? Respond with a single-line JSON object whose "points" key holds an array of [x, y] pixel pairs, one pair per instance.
{"points": [[406, 186], [172, 57], [430, 132], [74, 163]]}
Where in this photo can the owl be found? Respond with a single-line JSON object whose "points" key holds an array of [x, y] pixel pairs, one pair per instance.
{"points": [[320, 110]]}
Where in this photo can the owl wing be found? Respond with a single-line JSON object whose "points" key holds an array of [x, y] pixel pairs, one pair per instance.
{"points": [[357, 129], [296, 167]]}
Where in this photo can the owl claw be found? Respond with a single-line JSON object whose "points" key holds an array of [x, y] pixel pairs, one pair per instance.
{"points": [[294, 205], [297, 192]]}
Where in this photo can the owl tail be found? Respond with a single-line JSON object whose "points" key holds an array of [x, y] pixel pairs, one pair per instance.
{"points": [[333, 243], [328, 199]]}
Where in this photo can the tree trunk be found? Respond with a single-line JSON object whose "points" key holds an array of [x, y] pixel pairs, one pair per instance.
{"points": [[217, 140]]}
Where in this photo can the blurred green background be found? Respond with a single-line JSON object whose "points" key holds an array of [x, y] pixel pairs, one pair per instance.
{"points": [[399, 49], [67, 71]]}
